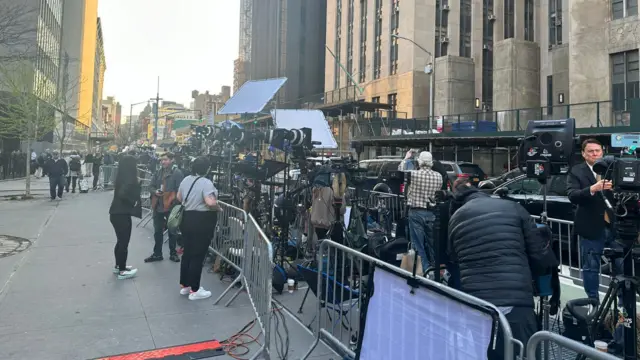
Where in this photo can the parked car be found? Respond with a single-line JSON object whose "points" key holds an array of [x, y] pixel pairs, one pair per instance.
{"points": [[493, 182], [457, 170], [529, 193], [383, 175]]}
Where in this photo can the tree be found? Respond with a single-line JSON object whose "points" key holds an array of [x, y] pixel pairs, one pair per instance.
{"points": [[66, 104], [17, 32], [28, 106]]}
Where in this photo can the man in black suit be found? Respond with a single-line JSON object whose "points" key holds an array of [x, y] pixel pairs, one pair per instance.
{"points": [[592, 223]]}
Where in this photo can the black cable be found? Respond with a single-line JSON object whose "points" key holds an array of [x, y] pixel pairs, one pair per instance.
{"points": [[282, 342]]}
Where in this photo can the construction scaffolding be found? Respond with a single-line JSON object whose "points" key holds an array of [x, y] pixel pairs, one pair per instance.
{"points": [[246, 15]]}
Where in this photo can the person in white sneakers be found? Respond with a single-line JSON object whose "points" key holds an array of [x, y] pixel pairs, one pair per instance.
{"points": [[126, 203], [198, 196]]}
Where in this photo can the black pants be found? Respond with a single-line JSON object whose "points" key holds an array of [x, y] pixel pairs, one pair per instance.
{"points": [[56, 183], [73, 180], [96, 176], [122, 225], [159, 224], [197, 231], [523, 325]]}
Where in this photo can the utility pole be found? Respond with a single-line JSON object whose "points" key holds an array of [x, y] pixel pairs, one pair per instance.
{"points": [[157, 109]]}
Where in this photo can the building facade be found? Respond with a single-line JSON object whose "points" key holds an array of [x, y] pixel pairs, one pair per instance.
{"points": [[283, 38], [206, 104], [490, 56]]}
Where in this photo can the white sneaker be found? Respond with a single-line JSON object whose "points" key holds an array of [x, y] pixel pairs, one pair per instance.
{"points": [[185, 291], [200, 294], [117, 271], [128, 274]]}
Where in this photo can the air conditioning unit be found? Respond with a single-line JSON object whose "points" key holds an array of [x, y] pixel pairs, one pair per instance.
{"points": [[487, 47], [445, 7], [491, 17], [444, 39]]}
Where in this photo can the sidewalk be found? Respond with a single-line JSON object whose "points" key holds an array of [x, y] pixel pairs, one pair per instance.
{"points": [[14, 187], [60, 300]]}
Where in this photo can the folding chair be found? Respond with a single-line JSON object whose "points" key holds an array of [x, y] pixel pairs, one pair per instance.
{"points": [[333, 295]]}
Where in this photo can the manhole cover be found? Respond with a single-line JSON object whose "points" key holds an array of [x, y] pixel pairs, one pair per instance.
{"points": [[11, 245]]}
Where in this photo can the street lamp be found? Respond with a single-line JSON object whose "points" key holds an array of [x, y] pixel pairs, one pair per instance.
{"points": [[131, 118], [429, 69]]}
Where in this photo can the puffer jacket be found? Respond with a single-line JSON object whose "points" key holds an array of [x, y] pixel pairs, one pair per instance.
{"points": [[497, 246]]}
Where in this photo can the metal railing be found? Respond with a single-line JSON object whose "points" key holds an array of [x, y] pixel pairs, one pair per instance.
{"points": [[568, 247], [563, 342], [587, 115], [338, 284], [144, 176], [107, 176], [228, 244]]}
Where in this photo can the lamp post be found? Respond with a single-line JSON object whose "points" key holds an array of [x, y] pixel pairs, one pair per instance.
{"points": [[131, 118], [431, 70]]}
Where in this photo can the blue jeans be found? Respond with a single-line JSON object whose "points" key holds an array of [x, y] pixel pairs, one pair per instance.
{"points": [[591, 256], [421, 231]]}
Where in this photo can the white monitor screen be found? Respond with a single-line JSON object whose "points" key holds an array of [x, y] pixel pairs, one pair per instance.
{"points": [[422, 325]]}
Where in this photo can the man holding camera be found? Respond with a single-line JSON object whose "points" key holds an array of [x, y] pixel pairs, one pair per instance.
{"points": [[164, 186], [592, 223], [421, 203]]}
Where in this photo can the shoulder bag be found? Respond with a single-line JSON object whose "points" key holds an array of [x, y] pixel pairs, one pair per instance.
{"points": [[175, 216]]}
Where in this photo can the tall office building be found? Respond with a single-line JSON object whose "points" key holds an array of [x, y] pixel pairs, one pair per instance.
{"points": [[83, 44], [39, 25], [491, 55], [283, 38]]}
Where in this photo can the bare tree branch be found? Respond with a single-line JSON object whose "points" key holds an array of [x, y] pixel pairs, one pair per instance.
{"points": [[17, 27]]}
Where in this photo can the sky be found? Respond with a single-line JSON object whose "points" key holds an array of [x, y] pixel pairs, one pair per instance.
{"points": [[189, 44]]}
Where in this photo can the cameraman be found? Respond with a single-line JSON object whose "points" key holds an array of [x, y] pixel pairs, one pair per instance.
{"points": [[591, 222], [498, 249], [421, 203]]}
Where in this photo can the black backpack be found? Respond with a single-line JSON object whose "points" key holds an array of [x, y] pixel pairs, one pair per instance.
{"points": [[75, 165]]}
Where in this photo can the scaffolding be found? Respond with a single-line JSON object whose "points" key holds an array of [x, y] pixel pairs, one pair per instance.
{"points": [[246, 14]]}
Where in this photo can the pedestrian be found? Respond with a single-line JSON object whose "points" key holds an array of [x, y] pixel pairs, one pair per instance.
{"points": [[75, 171], [95, 168], [56, 169], [164, 186], [126, 203], [198, 196]]}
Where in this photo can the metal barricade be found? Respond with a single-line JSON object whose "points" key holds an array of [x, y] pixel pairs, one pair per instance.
{"points": [[107, 175], [563, 342], [338, 286], [568, 247], [228, 244], [144, 176], [257, 278]]}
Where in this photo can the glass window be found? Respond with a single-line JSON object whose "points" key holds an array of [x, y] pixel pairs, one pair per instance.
{"points": [[471, 169], [337, 46], [362, 71], [529, 20], [509, 27], [625, 79], [448, 167], [524, 186], [374, 168], [617, 9], [558, 186], [465, 28]]}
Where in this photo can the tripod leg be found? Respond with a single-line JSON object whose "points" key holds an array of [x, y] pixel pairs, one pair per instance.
{"points": [[303, 300]]}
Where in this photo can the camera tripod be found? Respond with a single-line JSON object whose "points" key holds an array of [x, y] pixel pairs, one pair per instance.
{"points": [[629, 287]]}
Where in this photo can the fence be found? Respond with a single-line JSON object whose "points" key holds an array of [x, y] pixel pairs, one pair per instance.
{"points": [[107, 177], [563, 342], [229, 245], [337, 285], [144, 176]]}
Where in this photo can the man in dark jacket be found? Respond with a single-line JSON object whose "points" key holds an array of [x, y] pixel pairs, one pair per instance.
{"points": [[57, 169], [499, 250], [164, 187]]}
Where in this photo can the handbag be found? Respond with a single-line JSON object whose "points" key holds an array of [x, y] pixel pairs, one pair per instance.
{"points": [[175, 216]]}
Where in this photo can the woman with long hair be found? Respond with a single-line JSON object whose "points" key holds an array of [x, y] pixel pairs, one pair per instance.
{"points": [[199, 198], [126, 203]]}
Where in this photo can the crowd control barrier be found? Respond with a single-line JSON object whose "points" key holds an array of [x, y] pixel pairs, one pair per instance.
{"points": [[107, 177], [144, 176], [563, 343], [228, 245], [339, 286]]}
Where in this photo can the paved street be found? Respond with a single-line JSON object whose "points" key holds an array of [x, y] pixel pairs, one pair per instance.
{"points": [[59, 299]]}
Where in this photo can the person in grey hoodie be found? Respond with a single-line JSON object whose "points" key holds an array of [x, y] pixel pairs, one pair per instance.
{"points": [[75, 171]]}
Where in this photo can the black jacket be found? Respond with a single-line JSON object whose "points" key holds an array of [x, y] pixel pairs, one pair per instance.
{"points": [[56, 168], [589, 216], [126, 201], [497, 246]]}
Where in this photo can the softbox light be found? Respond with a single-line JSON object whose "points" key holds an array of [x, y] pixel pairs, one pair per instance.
{"points": [[252, 97], [312, 119], [422, 324]]}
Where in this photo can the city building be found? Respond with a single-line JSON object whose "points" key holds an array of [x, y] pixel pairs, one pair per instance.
{"points": [[100, 67], [492, 56], [207, 105], [283, 38], [111, 118]]}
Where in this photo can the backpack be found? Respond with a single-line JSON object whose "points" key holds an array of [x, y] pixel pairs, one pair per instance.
{"points": [[75, 165]]}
